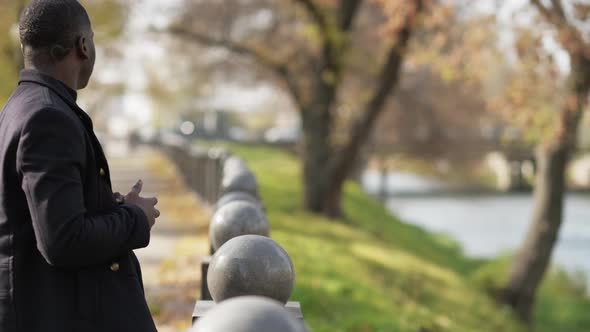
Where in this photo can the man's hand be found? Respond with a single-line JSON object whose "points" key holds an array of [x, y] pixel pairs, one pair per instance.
{"points": [[120, 199], [148, 205]]}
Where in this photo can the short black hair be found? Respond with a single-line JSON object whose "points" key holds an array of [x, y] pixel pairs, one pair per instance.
{"points": [[48, 23]]}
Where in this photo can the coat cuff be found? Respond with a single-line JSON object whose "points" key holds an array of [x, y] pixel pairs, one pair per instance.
{"points": [[141, 232]]}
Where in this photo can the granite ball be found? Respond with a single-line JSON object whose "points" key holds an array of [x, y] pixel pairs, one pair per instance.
{"points": [[243, 181], [237, 218], [251, 265], [249, 314], [234, 197], [234, 165]]}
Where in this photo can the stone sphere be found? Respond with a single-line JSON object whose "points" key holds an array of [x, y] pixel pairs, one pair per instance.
{"points": [[235, 197], [244, 181], [233, 165], [237, 218], [251, 265], [249, 314]]}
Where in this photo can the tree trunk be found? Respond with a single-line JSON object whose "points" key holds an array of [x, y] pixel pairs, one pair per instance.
{"points": [[326, 167], [324, 200], [320, 195], [533, 259]]}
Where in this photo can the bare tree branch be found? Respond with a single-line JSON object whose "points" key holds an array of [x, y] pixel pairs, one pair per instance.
{"points": [[316, 13], [570, 36], [327, 62], [348, 11], [555, 15], [280, 69], [292, 87], [389, 77], [236, 48], [558, 9]]}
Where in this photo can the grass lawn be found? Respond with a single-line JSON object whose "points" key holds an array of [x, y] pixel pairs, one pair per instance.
{"points": [[372, 272]]}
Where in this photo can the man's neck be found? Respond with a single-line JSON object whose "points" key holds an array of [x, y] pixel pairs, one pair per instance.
{"points": [[69, 79]]}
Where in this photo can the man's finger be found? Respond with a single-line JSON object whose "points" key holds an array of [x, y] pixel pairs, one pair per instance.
{"points": [[153, 200], [119, 198], [137, 187], [157, 213]]}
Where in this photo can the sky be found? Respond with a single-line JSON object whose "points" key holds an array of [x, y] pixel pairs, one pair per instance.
{"points": [[134, 109], [508, 21], [145, 52]]}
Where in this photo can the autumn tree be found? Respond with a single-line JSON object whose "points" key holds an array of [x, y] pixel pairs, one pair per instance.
{"points": [[439, 108], [432, 118], [558, 113], [10, 57], [332, 58]]}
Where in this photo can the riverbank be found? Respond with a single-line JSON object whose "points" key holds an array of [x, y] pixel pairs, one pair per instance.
{"points": [[372, 272], [505, 221], [409, 185]]}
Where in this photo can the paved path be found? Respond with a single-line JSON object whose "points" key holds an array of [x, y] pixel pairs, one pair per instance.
{"points": [[170, 264]]}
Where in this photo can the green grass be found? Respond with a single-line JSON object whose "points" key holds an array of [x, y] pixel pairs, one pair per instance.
{"points": [[372, 272]]}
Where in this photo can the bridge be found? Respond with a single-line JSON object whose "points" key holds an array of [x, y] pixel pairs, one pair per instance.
{"points": [[513, 165]]}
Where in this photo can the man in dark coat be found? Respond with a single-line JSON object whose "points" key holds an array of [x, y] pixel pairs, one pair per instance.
{"points": [[66, 260]]}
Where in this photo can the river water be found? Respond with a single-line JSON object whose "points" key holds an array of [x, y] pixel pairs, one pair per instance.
{"points": [[487, 225]]}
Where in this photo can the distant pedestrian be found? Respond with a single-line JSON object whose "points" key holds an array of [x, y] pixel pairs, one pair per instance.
{"points": [[66, 241]]}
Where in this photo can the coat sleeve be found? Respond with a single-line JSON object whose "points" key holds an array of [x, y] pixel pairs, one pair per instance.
{"points": [[51, 159]]}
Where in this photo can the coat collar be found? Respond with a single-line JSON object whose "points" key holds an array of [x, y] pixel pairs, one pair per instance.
{"points": [[67, 94], [35, 76]]}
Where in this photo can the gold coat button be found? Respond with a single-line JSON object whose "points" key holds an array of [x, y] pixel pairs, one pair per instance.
{"points": [[102, 172], [115, 267]]}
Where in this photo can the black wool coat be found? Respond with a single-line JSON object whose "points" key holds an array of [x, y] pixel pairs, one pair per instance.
{"points": [[66, 259]]}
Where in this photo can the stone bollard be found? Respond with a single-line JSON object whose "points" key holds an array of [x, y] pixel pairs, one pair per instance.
{"points": [[251, 265], [245, 262], [250, 277], [249, 314], [245, 266], [239, 212], [242, 181], [238, 178], [234, 219], [233, 165], [236, 196]]}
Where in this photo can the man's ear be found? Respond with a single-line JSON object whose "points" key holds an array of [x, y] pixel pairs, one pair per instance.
{"points": [[58, 52], [82, 48]]}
